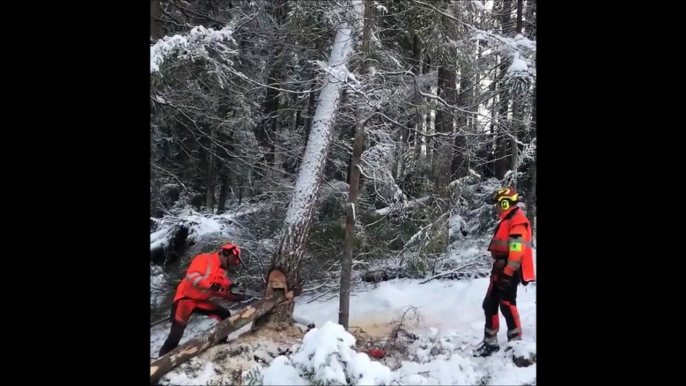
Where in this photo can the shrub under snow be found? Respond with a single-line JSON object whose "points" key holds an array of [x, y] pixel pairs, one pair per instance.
{"points": [[327, 356]]}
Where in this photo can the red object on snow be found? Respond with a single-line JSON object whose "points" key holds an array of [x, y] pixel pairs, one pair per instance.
{"points": [[376, 353]]}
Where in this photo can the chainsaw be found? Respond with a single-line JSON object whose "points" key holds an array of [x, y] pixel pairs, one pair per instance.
{"points": [[242, 291]]}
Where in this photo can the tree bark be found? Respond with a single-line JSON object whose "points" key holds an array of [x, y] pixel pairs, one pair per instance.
{"points": [[504, 100], [444, 124], [416, 120], [358, 144], [154, 22], [531, 205], [445, 118], [210, 171], [516, 107], [293, 236], [225, 181], [530, 17], [193, 347], [465, 98], [267, 128]]}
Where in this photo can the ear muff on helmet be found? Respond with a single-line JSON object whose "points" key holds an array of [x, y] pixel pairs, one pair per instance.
{"points": [[230, 249], [505, 197]]}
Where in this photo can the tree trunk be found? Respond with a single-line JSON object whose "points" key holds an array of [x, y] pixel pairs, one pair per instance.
{"points": [[154, 22], [531, 205], [516, 107], [293, 236], [409, 137], [501, 136], [193, 347], [267, 128], [465, 99], [444, 124], [530, 18], [445, 118], [224, 188], [210, 171], [225, 174], [358, 144]]}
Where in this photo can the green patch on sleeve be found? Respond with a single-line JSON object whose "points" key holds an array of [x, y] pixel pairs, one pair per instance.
{"points": [[516, 247]]}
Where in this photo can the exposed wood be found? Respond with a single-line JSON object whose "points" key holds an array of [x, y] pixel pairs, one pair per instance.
{"points": [[276, 293]]}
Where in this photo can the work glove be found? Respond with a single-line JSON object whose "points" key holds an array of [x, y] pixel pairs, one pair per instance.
{"points": [[216, 287]]}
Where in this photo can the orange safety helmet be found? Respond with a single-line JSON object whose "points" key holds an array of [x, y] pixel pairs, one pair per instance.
{"points": [[229, 250], [507, 193]]}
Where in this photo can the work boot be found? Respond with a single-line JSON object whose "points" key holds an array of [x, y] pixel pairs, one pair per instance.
{"points": [[487, 347], [514, 335]]}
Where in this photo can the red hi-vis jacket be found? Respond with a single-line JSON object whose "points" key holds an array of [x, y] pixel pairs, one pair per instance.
{"points": [[205, 269], [512, 241]]}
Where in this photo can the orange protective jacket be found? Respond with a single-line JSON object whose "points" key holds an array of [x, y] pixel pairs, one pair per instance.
{"points": [[205, 269], [512, 241]]}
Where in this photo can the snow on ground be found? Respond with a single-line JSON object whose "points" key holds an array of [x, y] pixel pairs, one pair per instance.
{"points": [[450, 326]]}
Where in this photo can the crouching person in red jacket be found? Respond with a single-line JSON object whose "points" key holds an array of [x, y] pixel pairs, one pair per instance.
{"points": [[205, 278]]}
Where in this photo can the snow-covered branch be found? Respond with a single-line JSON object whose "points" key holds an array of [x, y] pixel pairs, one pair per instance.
{"points": [[193, 45]]}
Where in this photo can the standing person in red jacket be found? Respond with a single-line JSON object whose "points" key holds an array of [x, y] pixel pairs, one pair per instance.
{"points": [[205, 278], [513, 263]]}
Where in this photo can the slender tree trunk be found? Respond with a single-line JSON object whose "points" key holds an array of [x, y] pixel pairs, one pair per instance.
{"points": [[154, 22], [267, 129], [516, 107], [444, 124], [241, 188], [530, 17], [358, 144], [531, 205], [210, 171], [224, 188], [293, 236], [504, 100], [464, 100]]}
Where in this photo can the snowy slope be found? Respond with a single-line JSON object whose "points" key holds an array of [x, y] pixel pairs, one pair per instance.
{"points": [[451, 316], [450, 326]]}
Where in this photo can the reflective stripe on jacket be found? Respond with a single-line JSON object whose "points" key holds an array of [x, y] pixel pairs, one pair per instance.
{"points": [[204, 270], [512, 241]]}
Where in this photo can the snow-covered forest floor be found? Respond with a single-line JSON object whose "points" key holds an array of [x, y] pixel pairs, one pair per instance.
{"points": [[427, 330], [266, 116]]}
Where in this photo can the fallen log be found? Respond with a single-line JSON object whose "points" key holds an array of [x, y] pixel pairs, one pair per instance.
{"points": [[454, 271], [384, 274], [275, 294], [193, 347]]}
